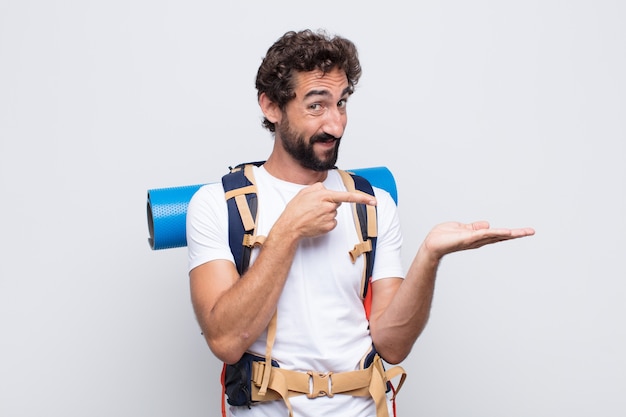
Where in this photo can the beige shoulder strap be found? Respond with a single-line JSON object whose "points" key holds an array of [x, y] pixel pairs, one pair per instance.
{"points": [[362, 246]]}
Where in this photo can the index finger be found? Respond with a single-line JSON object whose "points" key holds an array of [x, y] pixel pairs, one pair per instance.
{"points": [[351, 197]]}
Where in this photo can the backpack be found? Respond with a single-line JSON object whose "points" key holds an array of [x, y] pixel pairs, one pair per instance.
{"points": [[241, 197]]}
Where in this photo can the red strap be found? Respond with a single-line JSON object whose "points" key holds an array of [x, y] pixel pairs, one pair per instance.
{"points": [[367, 301], [393, 401], [223, 377]]}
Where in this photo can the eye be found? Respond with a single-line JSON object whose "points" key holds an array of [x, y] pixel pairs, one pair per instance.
{"points": [[342, 103], [315, 106]]}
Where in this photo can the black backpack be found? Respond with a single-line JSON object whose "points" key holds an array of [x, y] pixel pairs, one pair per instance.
{"points": [[241, 196]]}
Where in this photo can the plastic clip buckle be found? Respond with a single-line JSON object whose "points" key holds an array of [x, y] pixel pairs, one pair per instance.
{"points": [[320, 384]]}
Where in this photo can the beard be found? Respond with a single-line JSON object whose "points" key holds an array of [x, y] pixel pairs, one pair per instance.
{"points": [[303, 152]]}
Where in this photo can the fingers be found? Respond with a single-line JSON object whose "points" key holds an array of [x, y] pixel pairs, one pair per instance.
{"points": [[502, 232], [490, 236], [511, 233], [339, 197]]}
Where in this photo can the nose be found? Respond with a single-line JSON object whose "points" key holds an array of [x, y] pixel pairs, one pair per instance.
{"points": [[335, 122]]}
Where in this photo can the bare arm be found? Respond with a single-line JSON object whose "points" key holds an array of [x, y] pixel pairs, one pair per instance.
{"points": [[400, 308], [234, 311]]}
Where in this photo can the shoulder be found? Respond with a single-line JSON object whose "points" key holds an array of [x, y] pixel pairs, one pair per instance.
{"points": [[384, 198], [207, 203], [207, 194]]}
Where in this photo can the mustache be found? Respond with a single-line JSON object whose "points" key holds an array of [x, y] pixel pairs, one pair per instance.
{"points": [[324, 137]]}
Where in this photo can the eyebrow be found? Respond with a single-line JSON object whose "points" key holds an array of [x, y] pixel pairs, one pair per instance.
{"points": [[348, 90]]}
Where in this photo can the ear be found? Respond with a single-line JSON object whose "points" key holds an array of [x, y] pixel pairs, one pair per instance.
{"points": [[270, 109]]}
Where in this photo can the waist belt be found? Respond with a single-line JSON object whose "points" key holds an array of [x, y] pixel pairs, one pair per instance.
{"points": [[283, 384]]}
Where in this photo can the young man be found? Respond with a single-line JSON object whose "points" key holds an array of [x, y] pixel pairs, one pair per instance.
{"points": [[303, 272]]}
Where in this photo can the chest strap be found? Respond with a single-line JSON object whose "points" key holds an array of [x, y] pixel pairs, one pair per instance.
{"points": [[284, 384]]}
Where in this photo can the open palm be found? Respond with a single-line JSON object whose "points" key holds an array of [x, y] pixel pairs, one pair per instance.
{"points": [[451, 237]]}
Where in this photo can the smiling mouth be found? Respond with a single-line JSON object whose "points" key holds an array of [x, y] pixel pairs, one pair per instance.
{"points": [[325, 139], [328, 143]]}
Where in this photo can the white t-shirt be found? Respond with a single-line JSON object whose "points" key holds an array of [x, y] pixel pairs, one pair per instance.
{"points": [[321, 323]]}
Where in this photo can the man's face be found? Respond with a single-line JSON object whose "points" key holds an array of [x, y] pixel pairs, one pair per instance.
{"points": [[313, 122]]}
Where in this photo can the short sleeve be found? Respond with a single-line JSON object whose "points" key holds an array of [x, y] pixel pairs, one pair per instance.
{"points": [[207, 226], [388, 261]]}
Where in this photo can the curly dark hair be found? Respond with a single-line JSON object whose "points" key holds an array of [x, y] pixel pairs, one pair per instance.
{"points": [[303, 51]]}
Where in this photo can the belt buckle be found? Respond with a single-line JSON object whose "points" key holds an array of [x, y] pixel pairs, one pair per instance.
{"points": [[320, 384]]}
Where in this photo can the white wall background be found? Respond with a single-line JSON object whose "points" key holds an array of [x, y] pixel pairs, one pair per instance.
{"points": [[508, 111]]}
